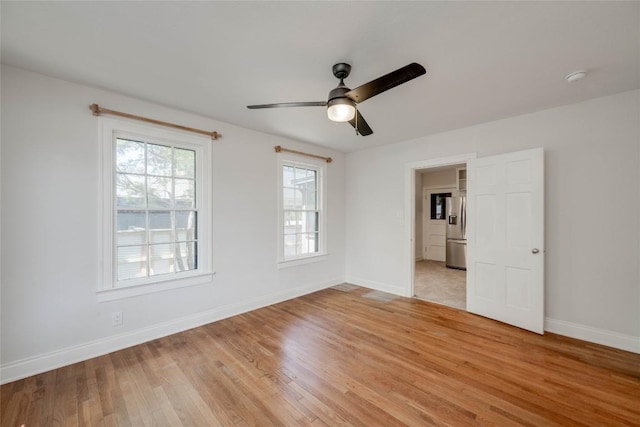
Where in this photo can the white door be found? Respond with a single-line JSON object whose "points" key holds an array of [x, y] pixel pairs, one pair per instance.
{"points": [[435, 230], [505, 232]]}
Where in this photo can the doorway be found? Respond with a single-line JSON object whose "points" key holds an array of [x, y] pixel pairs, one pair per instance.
{"points": [[505, 251], [436, 278]]}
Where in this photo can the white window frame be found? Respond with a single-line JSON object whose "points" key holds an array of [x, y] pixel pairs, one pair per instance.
{"points": [[109, 288], [321, 176]]}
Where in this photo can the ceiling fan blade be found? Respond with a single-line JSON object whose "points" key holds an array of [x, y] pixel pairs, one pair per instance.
{"points": [[289, 104], [386, 82], [363, 127]]}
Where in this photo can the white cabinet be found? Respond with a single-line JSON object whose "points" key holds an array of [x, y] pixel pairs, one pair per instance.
{"points": [[461, 180], [436, 240]]}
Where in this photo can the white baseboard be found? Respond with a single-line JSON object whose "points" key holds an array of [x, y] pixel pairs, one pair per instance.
{"points": [[45, 362], [594, 335], [378, 286]]}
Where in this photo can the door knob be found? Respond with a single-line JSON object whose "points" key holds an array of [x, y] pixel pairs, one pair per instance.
{"points": [[534, 251]]}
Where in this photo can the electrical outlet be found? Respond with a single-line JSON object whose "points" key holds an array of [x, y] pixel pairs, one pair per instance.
{"points": [[116, 318]]}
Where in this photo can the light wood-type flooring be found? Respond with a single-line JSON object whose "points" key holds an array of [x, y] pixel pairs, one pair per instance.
{"points": [[434, 282], [341, 356]]}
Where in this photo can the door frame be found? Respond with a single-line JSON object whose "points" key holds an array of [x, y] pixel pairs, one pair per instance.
{"points": [[410, 207]]}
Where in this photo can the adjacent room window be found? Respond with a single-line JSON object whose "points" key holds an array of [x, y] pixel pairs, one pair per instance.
{"points": [[302, 220], [439, 205], [156, 206]]}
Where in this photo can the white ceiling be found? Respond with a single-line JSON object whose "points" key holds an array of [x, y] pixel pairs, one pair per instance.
{"points": [[484, 60]]}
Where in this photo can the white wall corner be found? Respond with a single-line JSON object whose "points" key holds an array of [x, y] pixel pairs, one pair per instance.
{"points": [[45, 362], [594, 335]]}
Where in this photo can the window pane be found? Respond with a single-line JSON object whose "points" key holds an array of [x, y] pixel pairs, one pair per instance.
{"points": [[185, 190], [129, 156], [130, 191], [300, 222], [312, 241], [160, 259], [300, 175], [308, 243], [290, 245], [159, 192], [289, 222], [310, 222], [159, 160], [300, 245], [160, 229], [289, 198], [185, 163], [132, 262], [186, 256], [311, 180], [131, 228], [310, 200], [292, 222], [299, 199], [186, 222], [303, 243], [287, 176]]}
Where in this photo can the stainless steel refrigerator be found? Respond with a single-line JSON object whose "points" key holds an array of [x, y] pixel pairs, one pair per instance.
{"points": [[456, 208]]}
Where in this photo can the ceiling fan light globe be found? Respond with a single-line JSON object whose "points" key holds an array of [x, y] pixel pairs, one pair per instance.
{"points": [[341, 110]]}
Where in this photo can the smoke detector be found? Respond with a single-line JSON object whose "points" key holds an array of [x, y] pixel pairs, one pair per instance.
{"points": [[575, 76]]}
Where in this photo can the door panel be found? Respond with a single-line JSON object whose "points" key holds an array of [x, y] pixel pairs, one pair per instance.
{"points": [[505, 224], [485, 274], [519, 220]]}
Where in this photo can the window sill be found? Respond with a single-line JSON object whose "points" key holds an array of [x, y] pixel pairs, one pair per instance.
{"points": [[302, 261], [149, 288]]}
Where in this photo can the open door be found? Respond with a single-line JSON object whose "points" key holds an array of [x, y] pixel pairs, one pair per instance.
{"points": [[505, 231]]}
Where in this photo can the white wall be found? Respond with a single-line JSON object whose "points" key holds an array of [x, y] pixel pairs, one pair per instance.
{"points": [[50, 237], [592, 161]]}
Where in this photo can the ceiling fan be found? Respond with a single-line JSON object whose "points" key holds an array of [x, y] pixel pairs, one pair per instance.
{"points": [[342, 101]]}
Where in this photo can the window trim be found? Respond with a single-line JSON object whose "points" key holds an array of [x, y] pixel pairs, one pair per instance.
{"points": [[109, 130], [321, 168]]}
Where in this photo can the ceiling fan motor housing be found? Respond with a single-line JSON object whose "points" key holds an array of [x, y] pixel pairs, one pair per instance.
{"points": [[338, 92]]}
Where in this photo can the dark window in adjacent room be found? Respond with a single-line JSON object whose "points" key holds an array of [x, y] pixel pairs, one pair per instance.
{"points": [[438, 205]]}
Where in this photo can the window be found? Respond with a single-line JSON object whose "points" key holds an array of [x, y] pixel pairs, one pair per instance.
{"points": [[438, 205], [156, 207], [301, 198]]}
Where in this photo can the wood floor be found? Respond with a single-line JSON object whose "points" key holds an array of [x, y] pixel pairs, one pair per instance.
{"points": [[340, 357]]}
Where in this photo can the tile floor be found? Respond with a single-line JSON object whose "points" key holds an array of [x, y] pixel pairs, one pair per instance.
{"points": [[436, 283]]}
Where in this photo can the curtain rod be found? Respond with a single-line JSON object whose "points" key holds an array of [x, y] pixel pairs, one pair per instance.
{"points": [[97, 110], [279, 149]]}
